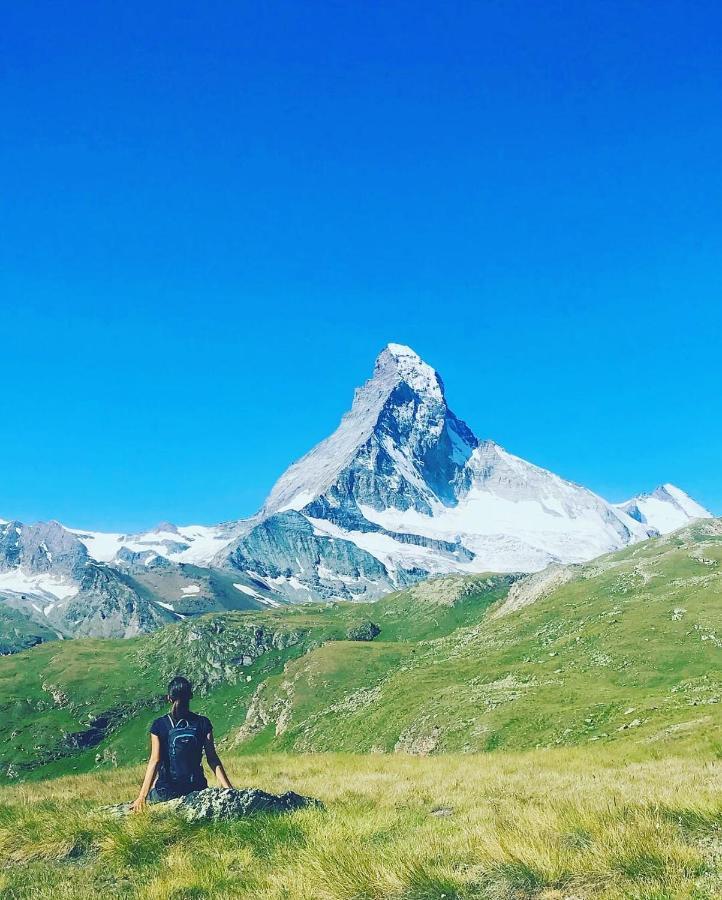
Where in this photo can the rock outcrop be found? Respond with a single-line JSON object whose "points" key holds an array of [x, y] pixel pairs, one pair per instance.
{"points": [[223, 804]]}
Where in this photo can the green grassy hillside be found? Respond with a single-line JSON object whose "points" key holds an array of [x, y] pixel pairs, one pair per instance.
{"points": [[18, 632], [629, 648], [625, 648], [73, 706], [610, 670]]}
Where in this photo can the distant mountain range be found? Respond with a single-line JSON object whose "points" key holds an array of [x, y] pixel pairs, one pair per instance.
{"points": [[401, 490], [623, 648], [666, 509]]}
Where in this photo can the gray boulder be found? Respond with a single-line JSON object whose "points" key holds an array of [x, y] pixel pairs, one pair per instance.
{"points": [[228, 803], [222, 804]]}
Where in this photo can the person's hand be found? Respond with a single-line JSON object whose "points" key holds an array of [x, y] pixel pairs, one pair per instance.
{"points": [[139, 805]]}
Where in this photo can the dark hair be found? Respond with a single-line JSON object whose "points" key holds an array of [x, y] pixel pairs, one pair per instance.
{"points": [[180, 691]]}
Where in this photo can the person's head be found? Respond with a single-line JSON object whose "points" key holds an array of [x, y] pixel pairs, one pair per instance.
{"points": [[180, 692]]}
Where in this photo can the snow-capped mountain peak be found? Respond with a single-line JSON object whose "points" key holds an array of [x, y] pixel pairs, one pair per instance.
{"points": [[403, 489], [403, 408], [194, 544], [411, 369], [683, 500], [666, 508]]}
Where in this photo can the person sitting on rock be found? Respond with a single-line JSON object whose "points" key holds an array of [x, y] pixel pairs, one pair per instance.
{"points": [[177, 742]]}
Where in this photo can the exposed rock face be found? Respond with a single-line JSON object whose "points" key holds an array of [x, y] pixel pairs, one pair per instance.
{"points": [[364, 631], [534, 587], [220, 651], [50, 586], [137, 562], [107, 606], [448, 590], [402, 408], [18, 632], [286, 547], [420, 739], [264, 710], [47, 576], [42, 548]]}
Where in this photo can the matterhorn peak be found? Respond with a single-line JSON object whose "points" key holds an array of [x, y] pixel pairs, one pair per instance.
{"points": [[400, 350], [401, 409], [401, 490], [398, 363]]}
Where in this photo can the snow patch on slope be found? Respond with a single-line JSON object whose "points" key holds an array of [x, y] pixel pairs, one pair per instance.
{"points": [[20, 582], [244, 589], [394, 554], [193, 544], [516, 517]]}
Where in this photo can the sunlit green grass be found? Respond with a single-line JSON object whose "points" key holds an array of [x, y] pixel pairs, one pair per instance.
{"points": [[616, 673], [553, 824]]}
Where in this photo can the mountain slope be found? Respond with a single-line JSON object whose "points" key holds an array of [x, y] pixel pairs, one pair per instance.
{"points": [[86, 703], [51, 587], [625, 648], [401, 491], [47, 576], [405, 481], [665, 509]]}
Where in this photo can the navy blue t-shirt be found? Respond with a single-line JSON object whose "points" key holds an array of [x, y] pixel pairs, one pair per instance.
{"points": [[164, 785]]}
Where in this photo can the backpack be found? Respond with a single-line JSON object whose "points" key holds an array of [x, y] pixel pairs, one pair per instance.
{"points": [[185, 751]]}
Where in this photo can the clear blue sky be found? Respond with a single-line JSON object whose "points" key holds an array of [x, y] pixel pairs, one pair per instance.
{"points": [[214, 215]]}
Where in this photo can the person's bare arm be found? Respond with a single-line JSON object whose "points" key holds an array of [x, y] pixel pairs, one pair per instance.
{"points": [[150, 773], [214, 761]]}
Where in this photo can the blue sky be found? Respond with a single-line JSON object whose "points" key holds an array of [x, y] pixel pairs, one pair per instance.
{"points": [[215, 215]]}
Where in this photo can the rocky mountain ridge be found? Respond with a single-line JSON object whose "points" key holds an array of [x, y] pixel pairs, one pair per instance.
{"points": [[401, 491], [404, 483]]}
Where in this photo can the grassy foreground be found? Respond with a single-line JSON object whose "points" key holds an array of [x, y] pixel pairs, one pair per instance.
{"points": [[545, 824]]}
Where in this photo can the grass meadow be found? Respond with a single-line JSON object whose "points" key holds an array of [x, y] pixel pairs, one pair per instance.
{"points": [[544, 824]]}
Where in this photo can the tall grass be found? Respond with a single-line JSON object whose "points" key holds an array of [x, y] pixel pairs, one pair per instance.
{"points": [[538, 825]]}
